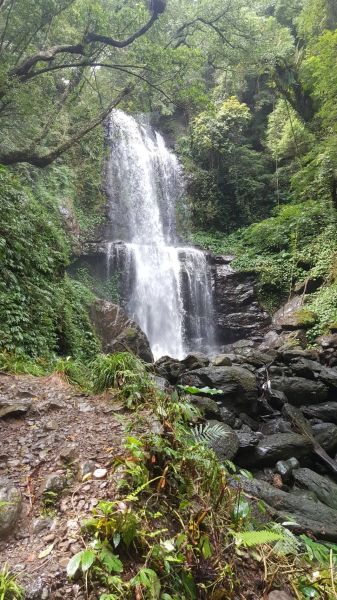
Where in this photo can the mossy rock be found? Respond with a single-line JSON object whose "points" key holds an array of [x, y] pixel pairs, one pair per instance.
{"points": [[300, 319]]}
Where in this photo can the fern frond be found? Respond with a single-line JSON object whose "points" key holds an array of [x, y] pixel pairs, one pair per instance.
{"points": [[208, 434], [257, 538]]}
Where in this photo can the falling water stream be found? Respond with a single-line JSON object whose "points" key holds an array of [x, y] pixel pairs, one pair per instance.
{"points": [[168, 287]]}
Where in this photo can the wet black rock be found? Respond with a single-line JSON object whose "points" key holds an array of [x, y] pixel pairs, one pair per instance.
{"points": [[326, 435], [195, 360], [326, 411], [300, 391], [306, 513], [226, 443], [208, 407], [324, 488], [280, 446], [236, 383], [169, 368], [239, 314], [286, 467], [117, 332]]}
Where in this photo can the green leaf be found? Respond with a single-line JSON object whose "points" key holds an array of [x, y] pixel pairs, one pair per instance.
{"points": [[150, 580], [87, 559], [256, 538], [191, 389], [189, 585], [73, 564], [110, 560], [46, 551]]}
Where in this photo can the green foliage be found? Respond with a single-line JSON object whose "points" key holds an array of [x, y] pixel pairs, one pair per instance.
{"points": [[190, 389], [9, 588], [228, 178], [208, 434], [121, 370], [298, 242], [41, 309], [257, 538]]}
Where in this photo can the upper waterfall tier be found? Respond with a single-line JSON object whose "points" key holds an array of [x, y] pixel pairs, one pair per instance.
{"points": [[167, 288], [144, 182]]}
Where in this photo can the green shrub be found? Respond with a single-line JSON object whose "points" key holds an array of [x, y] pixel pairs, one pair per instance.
{"points": [[9, 588], [121, 370]]}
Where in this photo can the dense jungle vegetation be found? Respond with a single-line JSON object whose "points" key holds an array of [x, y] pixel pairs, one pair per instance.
{"points": [[247, 91]]}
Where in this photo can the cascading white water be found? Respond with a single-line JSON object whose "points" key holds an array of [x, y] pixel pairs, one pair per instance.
{"points": [[168, 287]]}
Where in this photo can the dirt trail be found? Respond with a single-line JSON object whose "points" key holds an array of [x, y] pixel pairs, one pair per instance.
{"points": [[62, 432]]}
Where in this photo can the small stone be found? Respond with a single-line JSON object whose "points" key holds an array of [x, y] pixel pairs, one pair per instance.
{"points": [[85, 408], [69, 453], [72, 525], [41, 524], [50, 425], [55, 482], [86, 469], [63, 562], [279, 595], [45, 594], [100, 473]]}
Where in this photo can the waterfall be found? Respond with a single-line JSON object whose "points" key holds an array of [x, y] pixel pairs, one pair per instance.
{"points": [[167, 288]]}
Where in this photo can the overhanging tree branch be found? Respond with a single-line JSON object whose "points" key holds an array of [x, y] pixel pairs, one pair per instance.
{"points": [[157, 7], [43, 160]]}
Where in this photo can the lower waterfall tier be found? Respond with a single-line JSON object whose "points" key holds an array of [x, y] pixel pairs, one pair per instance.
{"points": [[168, 291]]}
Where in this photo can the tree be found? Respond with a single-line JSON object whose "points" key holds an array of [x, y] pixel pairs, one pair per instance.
{"points": [[50, 53]]}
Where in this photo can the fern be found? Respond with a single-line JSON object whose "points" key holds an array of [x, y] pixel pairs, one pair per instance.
{"points": [[258, 538], [208, 434]]}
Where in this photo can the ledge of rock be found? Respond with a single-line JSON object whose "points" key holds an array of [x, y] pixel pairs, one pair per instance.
{"points": [[239, 314], [117, 332]]}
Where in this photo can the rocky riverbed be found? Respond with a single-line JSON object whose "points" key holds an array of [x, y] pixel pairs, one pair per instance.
{"points": [[279, 411]]}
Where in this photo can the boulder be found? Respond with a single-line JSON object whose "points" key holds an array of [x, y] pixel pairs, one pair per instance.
{"points": [[280, 446], [290, 354], [195, 360], [225, 443], [236, 383], [248, 439], [305, 513], [209, 408], [169, 368], [13, 407], [326, 435], [327, 411], [293, 316], [10, 507], [228, 416], [256, 357], [223, 360], [311, 369], [323, 487], [117, 332], [277, 425], [299, 390]]}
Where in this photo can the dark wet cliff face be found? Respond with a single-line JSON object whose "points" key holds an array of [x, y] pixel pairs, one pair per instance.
{"points": [[238, 312]]}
